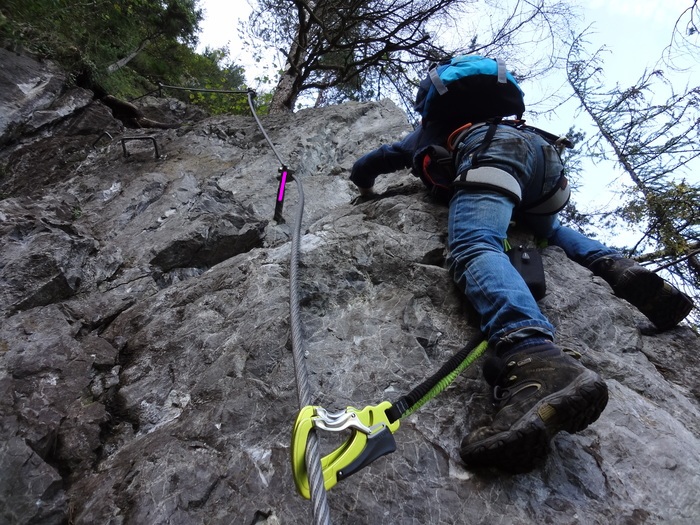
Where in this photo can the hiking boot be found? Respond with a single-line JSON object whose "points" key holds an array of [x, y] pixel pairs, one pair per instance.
{"points": [[536, 398], [663, 304]]}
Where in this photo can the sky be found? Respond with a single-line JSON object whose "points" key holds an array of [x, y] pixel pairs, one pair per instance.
{"points": [[634, 31]]}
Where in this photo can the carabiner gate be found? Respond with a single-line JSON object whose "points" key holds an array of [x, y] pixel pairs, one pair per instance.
{"points": [[371, 438]]}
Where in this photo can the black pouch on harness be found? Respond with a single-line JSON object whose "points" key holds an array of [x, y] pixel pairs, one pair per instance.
{"points": [[528, 262]]}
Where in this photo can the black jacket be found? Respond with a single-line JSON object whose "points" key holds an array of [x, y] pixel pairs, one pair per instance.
{"points": [[397, 156]]}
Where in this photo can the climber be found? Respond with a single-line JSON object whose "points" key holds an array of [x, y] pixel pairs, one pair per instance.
{"points": [[538, 388]]}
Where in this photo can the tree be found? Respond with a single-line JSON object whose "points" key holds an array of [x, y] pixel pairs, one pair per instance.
{"points": [[97, 39], [148, 20], [210, 70], [655, 146], [362, 49], [685, 33], [126, 47]]}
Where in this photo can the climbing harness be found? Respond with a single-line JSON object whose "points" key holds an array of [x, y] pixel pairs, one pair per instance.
{"points": [[504, 182], [437, 168]]}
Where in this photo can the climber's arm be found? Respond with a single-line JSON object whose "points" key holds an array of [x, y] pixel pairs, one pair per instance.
{"points": [[385, 159]]}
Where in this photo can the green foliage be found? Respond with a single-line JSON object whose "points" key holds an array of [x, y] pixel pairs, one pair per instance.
{"points": [[671, 213], [210, 71], [654, 143], [99, 32], [125, 47]]}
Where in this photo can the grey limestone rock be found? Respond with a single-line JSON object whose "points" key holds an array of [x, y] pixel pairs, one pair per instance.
{"points": [[146, 370]]}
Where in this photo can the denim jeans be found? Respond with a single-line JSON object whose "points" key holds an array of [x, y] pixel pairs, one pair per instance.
{"points": [[478, 224], [577, 246]]}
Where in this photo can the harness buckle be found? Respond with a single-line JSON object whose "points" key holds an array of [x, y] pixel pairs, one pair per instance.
{"points": [[371, 438]]}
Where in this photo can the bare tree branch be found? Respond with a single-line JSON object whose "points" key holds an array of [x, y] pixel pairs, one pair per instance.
{"points": [[346, 46]]}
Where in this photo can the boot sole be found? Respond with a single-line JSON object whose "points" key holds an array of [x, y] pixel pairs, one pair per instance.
{"points": [[526, 443], [661, 303]]}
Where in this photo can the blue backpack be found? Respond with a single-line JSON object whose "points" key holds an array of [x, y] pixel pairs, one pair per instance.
{"points": [[468, 88]]}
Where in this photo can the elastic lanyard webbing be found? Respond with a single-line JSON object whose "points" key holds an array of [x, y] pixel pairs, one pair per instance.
{"points": [[439, 381]]}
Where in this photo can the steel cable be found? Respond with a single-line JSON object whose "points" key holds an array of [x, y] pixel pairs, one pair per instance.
{"points": [[319, 500]]}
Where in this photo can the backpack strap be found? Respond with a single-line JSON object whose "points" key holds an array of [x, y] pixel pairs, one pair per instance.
{"points": [[502, 71], [437, 81]]}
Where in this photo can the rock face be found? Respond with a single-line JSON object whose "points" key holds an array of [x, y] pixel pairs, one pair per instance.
{"points": [[146, 368]]}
